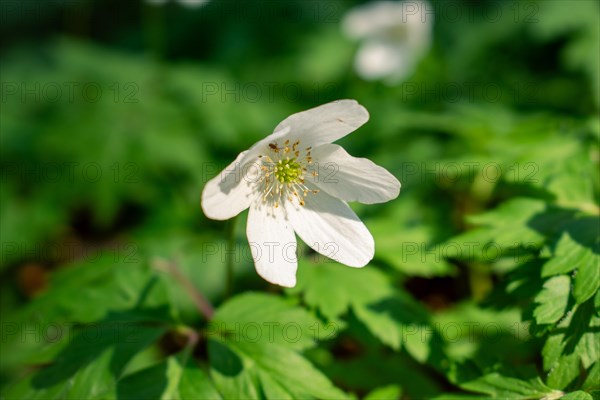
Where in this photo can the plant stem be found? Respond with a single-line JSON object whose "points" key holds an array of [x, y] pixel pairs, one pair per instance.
{"points": [[230, 232], [201, 302]]}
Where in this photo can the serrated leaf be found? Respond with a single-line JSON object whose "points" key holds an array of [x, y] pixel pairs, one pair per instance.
{"points": [[520, 385], [333, 288], [110, 286], [578, 395], [263, 318], [246, 365], [515, 223], [575, 342], [176, 378], [399, 321], [409, 250], [569, 255], [552, 300], [592, 381], [232, 377], [91, 361], [471, 331], [131, 290], [578, 247], [514, 214], [587, 280], [245, 370]]}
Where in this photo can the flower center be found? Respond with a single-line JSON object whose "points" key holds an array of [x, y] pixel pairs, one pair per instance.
{"points": [[283, 171], [288, 171]]}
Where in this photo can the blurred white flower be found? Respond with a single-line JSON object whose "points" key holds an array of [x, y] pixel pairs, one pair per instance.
{"points": [[394, 36], [193, 3], [185, 3], [296, 181]]}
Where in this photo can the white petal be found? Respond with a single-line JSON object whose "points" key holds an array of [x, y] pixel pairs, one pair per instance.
{"points": [[402, 22], [324, 124], [353, 179], [331, 228], [230, 192], [193, 3], [378, 59], [273, 245], [373, 18]]}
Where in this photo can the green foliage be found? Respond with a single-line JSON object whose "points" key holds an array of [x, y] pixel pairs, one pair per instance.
{"points": [[496, 384], [486, 276], [174, 378], [253, 350], [385, 393]]}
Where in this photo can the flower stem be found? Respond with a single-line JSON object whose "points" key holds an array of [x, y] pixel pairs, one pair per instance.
{"points": [[230, 232], [197, 297]]}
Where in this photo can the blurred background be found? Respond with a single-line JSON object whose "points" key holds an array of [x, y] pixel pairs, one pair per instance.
{"points": [[115, 114]]}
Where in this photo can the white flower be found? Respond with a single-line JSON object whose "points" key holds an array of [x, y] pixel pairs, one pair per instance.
{"points": [[185, 3], [296, 181], [193, 3], [394, 36]]}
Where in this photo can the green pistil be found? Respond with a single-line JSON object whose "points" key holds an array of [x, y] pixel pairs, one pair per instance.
{"points": [[288, 171]]}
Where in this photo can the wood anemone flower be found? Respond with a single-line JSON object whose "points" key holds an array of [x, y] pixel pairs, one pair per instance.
{"points": [[297, 181]]}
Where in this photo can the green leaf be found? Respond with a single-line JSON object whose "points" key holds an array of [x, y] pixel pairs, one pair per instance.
{"points": [[131, 290], [243, 370], [89, 363], [253, 344], [455, 396], [91, 382], [399, 321], [507, 227], [110, 286], [592, 382], [587, 281], [500, 384], [175, 378], [471, 331], [578, 395], [559, 19], [372, 368], [386, 328], [264, 318], [574, 343], [391, 392], [552, 300], [232, 377], [409, 249], [569, 255], [578, 247], [333, 288], [572, 184]]}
